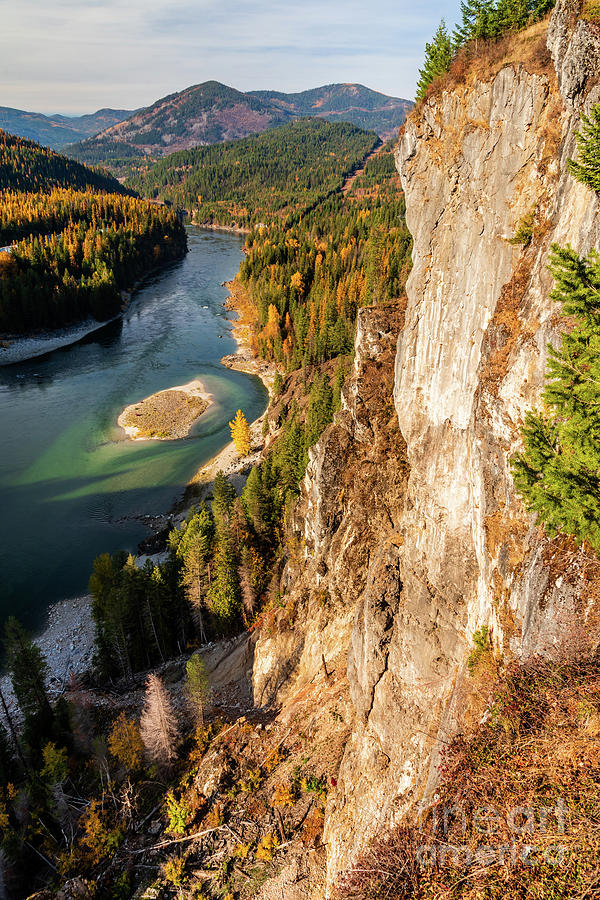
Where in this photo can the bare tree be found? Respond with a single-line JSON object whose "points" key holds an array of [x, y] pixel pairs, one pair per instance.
{"points": [[158, 723]]}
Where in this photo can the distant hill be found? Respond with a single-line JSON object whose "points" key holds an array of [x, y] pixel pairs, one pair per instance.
{"points": [[208, 113], [261, 178], [58, 131], [345, 102], [212, 113], [26, 166]]}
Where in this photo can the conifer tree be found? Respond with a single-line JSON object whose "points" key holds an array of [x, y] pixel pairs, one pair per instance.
{"points": [[240, 433], [587, 167], [223, 497], [158, 724], [28, 671], [475, 21], [438, 56], [197, 685], [224, 592], [320, 409], [558, 472], [194, 546]]}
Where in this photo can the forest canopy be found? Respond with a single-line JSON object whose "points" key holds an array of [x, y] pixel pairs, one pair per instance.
{"points": [[279, 172], [27, 166]]}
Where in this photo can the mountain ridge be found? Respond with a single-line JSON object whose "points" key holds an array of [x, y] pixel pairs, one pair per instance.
{"points": [[56, 130], [212, 112]]}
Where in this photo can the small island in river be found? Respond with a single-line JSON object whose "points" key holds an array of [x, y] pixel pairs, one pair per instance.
{"points": [[167, 415]]}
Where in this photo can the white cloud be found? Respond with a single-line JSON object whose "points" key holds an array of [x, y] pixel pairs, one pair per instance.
{"points": [[74, 56]]}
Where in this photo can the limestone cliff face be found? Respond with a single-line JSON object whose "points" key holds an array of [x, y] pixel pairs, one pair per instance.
{"points": [[409, 535]]}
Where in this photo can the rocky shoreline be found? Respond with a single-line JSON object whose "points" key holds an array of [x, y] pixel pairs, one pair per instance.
{"points": [[67, 643], [229, 461], [20, 349]]}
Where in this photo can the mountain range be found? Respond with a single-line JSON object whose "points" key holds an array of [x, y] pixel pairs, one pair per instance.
{"points": [[58, 131], [211, 112]]}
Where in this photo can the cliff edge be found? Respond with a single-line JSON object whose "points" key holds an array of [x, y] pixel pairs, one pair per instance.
{"points": [[409, 536]]}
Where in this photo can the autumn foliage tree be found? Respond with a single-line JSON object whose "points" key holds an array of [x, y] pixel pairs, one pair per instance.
{"points": [[125, 743], [240, 433]]}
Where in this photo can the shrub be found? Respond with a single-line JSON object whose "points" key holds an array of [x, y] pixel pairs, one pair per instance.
{"points": [[267, 847], [482, 645], [125, 743], [283, 795], [524, 232], [99, 840], [56, 763], [179, 814], [174, 871]]}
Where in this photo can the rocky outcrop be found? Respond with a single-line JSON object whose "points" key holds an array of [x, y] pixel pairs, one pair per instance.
{"points": [[409, 535]]}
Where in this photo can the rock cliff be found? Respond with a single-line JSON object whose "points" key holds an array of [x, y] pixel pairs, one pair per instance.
{"points": [[409, 535]]}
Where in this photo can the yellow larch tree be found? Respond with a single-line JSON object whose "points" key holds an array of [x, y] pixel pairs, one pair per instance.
{"points": [[240, 433]]}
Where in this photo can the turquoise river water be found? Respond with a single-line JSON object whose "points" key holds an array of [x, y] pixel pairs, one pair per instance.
{"points": [[70, 486]]}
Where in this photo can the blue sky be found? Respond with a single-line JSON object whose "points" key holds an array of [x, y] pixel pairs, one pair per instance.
{"points": [[74, 56]]}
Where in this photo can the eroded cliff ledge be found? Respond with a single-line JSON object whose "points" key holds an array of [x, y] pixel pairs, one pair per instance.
{"points": [[409, 535]]}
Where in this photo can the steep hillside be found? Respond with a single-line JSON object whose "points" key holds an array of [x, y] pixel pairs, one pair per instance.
{"points": [[26, 166], [412, 549], [345, 103], [58, 131], [249, 181]]}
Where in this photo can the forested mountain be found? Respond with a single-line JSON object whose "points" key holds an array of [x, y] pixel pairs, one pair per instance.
{"points": [[80, 239], [248, 181], [210, 113], [309, 276], [347, 103], [202, 114], [99, 244], [26, 166], [58, 131]]}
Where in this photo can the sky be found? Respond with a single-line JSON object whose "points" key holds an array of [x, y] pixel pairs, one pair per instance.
{"points": [[75, 56]]}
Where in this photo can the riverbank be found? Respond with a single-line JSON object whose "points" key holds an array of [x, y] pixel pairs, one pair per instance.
{"points": [[19, 349], [69, 622], [67, 643], [167, 415], [16, 349], [228, 460]]}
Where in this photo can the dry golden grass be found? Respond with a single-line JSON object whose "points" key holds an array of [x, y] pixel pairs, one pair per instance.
{"points": [[526, 780], [525, 48], [590, 11], [168, 414]]}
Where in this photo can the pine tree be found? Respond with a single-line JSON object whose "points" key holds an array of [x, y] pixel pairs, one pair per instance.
{"points": [[256, 500], [320, 409], [224, 593], [587, 167], [197, 685], [475, 22], [196, 548], [240, 433], [28, 672], [558, 472], [158, 724], [438, 56], [223, 497]]}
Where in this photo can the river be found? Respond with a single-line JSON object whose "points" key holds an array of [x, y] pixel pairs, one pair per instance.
{"points": [[70, 486]]}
